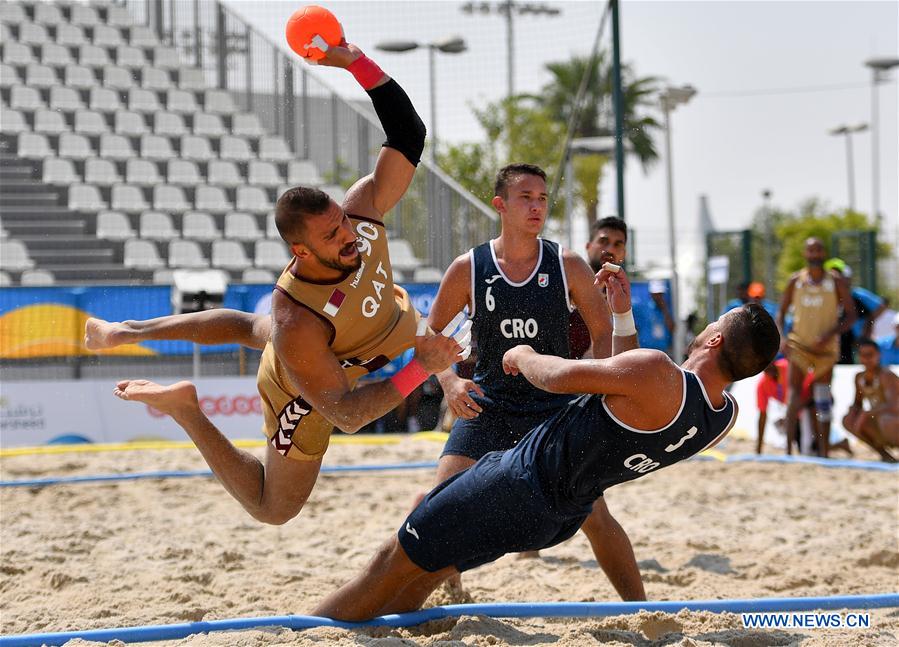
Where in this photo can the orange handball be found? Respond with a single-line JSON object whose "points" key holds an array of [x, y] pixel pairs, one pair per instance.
{"points": [[308, 23]]}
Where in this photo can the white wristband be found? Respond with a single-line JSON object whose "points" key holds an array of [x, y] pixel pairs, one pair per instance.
{"points": [[623, 324]]}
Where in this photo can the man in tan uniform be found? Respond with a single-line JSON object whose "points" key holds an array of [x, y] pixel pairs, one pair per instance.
{"points": [[813, 344], [336, 315]]}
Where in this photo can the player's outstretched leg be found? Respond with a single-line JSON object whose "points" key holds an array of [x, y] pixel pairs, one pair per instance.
{"points": [[218, 326], [271, 493]]}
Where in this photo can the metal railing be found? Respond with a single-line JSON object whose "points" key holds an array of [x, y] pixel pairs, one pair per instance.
{"points": [[437, 216]]}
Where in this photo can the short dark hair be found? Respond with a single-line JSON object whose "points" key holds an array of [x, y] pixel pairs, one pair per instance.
{"points": [[508, 173], [609, 222], [292, 208], [751, 341], [867, 341]]}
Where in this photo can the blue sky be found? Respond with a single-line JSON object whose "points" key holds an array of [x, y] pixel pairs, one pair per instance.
{"points": [[729, 143]]}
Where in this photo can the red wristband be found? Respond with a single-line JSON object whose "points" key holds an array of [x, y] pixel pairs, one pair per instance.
{"points": [[409, 378], [366, 71]]}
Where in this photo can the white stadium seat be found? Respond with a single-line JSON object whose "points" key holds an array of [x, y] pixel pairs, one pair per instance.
{"points": [[336, 192], [170, 198], [183, 172], [271, 254], [141, 100], [84, 15], [212, 199], [247, 125], [104, 99], [102, 172], [79, 77], [191, 78], [155, 79], [32, 34], [208, 125], [128, 199], [186, 254], [6, 279], [142, 172], [303, 173], [118, 78], [86, 197], [401, 255], [166, 58], [130, 57], [116, 147], [274, 149], [142, 254], [230, 255], [196, 148], [169, 123], [219, 102], [8, 76], [17, 53], [48, 14], [130, 123], [40, 76], [142, 36], [157, 225], [241, 226], [67, 99], [235, 148], [264, 174], [56, 55], [34, 146], [22, 97], [12, 13], [199, 225], [224, 173], [253, 198], [118, 15], [70, 35], [59, 171], [112, 225], [183, 101], [106, 36], [14, 255], [93, 56], [36, 278], [74, 146], [49, 122], [12, 121], [156, 147]]}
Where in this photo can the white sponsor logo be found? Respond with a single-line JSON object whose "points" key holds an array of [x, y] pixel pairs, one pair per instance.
{"points": [[518, 328], [412, 531], [492, 279]]}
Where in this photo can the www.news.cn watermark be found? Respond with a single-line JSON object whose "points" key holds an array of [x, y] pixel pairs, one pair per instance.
{"points": [[806, 620]]}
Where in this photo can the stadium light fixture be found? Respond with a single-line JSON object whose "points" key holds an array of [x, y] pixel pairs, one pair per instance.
{"points": [[880, 68], [447, 45]]}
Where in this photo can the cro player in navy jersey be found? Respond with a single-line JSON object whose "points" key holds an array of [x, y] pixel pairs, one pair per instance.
{"points": [[640, 413], [521, 289]]}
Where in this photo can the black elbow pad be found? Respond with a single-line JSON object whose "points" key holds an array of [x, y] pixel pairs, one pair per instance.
{"points": [[404, 128]]}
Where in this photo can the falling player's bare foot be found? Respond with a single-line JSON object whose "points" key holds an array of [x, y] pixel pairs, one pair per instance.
{"points": [[100, 334], [167, 399]]}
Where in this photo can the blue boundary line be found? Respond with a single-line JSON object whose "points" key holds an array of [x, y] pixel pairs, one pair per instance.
{"points": [[336, 469], [500, 610], [102, 478]]}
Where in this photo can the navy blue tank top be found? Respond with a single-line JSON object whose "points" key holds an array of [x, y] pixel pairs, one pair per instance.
{"points": [[505, 314], [576, 455]]}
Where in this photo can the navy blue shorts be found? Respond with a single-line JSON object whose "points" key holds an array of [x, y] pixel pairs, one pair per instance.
{"points": [[479, 515], [496, 429]]}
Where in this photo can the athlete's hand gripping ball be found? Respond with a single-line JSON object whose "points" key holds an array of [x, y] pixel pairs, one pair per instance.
{"points": [[312, 32]]}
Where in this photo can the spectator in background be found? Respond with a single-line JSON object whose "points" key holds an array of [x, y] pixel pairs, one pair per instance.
{"points": [[877, 425], [608, 244], [773, 384], [868, 307], [884, 324], [747, 292], [889, 345]]}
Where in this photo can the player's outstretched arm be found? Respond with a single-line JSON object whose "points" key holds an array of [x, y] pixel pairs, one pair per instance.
{"points": [[301, 341], [376, 194], [590, 302]]}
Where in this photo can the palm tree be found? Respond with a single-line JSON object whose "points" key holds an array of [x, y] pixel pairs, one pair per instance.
{"points": [[597, 117]]}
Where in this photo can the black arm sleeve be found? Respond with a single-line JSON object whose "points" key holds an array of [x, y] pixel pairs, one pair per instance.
{"points": [[404, 128]]}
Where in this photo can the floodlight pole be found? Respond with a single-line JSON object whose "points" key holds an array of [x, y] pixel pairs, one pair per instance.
{"points": [[618, 99], [880, 67]]}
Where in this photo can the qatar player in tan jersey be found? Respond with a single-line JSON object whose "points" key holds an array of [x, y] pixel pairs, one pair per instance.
{"points": [[336, 315], [815, 296]]}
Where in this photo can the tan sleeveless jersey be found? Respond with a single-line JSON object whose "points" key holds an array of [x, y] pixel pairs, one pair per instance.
{"points": [[371, 322], [815, 310], [872, 392]]}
